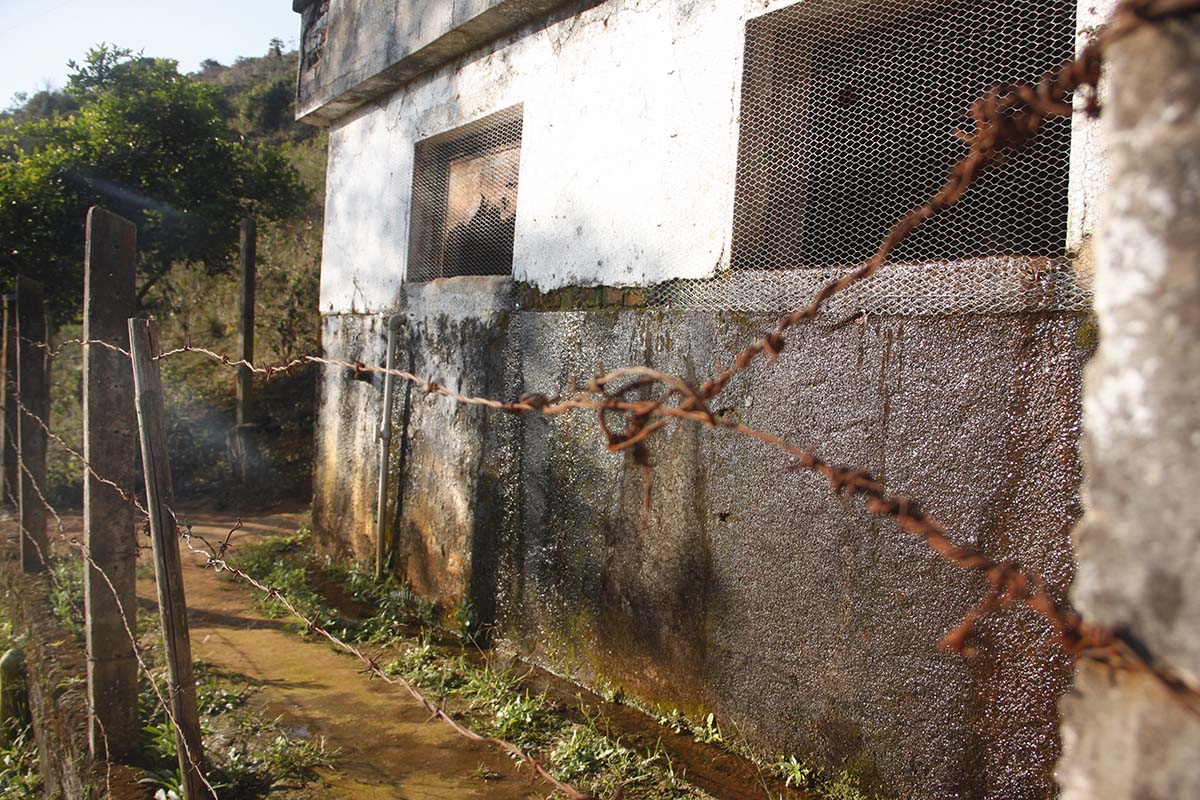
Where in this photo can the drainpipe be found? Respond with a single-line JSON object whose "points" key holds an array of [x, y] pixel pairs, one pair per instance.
{"points": [[395, 323]]}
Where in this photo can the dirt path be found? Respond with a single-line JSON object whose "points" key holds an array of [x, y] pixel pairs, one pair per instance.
{"points": [[387, 748]]}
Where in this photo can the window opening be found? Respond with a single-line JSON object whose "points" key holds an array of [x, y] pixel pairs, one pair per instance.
{"points": [[849, 109], [464, 199]]}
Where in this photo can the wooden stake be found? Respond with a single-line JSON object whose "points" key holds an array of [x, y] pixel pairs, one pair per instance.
{"points": [[109, 439], [143, 346]]}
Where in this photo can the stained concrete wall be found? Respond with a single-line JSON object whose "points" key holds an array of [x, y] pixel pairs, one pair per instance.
{"points": [[1126, 736], [750, 591], [798, 618], [373, 46], [628, 156]]}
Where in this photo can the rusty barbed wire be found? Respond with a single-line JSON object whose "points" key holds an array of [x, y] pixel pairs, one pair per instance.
{"points": [[81, 343], [126, 496], [82, 548], [215, 559], [1009, 584]]}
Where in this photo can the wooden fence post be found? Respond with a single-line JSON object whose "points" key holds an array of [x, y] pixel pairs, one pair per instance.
{"points": [[33, 391], [11, 475], [110, 439], [143, 346]]}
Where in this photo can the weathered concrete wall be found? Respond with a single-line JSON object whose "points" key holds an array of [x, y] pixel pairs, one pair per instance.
{"points": [[752, 591], [1139, 543], [345, 471], [372, 46], [749, 591], [628, 156], [599, 146]]}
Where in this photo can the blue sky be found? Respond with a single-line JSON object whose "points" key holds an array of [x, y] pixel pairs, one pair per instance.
{"points": [[38, 37]]}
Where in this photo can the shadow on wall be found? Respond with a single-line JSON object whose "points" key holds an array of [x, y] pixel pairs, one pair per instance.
{"points": [[748, 589]]}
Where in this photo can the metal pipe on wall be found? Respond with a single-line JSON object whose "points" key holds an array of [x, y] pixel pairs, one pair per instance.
{"points": [[395, 323]]}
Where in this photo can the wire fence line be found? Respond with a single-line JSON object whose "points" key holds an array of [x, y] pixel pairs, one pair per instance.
{"points": [[84, 551], [54, 578], [1005, 118], [214, 558]]}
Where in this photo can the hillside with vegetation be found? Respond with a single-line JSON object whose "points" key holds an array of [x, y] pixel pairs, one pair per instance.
{"points": [[192, 292]]}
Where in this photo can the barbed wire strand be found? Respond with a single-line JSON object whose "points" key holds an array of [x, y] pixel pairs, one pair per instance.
{"points": [[214, 557], [124, 495], [1009, 584], [53, 353], [82, 548]]}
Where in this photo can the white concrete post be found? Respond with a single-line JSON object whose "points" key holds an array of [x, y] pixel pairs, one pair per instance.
{"points": [[1125, 736]]}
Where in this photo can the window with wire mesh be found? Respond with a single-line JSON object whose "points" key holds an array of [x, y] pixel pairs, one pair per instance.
{"points": [[849, 116], [464, 199]]}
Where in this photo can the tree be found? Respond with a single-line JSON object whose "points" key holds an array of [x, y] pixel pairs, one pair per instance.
{"points": [[268, 107], [42, 104], [148, 143]]}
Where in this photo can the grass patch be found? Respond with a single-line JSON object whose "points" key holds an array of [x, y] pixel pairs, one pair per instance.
{"points": [[20, 775], [247, 755], [442, 656]]}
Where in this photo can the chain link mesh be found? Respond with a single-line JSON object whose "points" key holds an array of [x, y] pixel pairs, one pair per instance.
{"points": [[850, 110], [988, 285], [464, 199]]}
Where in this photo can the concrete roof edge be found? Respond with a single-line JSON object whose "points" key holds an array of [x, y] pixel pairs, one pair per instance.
{"points": [[492, 24]]}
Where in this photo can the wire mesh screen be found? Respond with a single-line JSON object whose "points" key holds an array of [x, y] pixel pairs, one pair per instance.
{"points": [[985, 285], [464, 199], [848, 120]]}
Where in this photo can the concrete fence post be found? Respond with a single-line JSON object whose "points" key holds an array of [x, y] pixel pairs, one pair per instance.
{"points": [[8, 388], [110, 440], [245, 460], [1125, 735], [33, 391], [247, 276]]}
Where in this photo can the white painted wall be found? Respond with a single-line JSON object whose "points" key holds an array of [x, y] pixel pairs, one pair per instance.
{"points": [[627, 160], [628, 157]]}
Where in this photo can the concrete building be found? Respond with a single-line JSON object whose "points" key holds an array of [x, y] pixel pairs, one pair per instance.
{"points": [[538, 191]]}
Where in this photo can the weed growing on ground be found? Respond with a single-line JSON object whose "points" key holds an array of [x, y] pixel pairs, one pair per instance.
{"points": [[674, 721], [492, 701], [483, 773], [20, 778], [707, 732], [248, 754], [825, 784], [66, 595]]}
